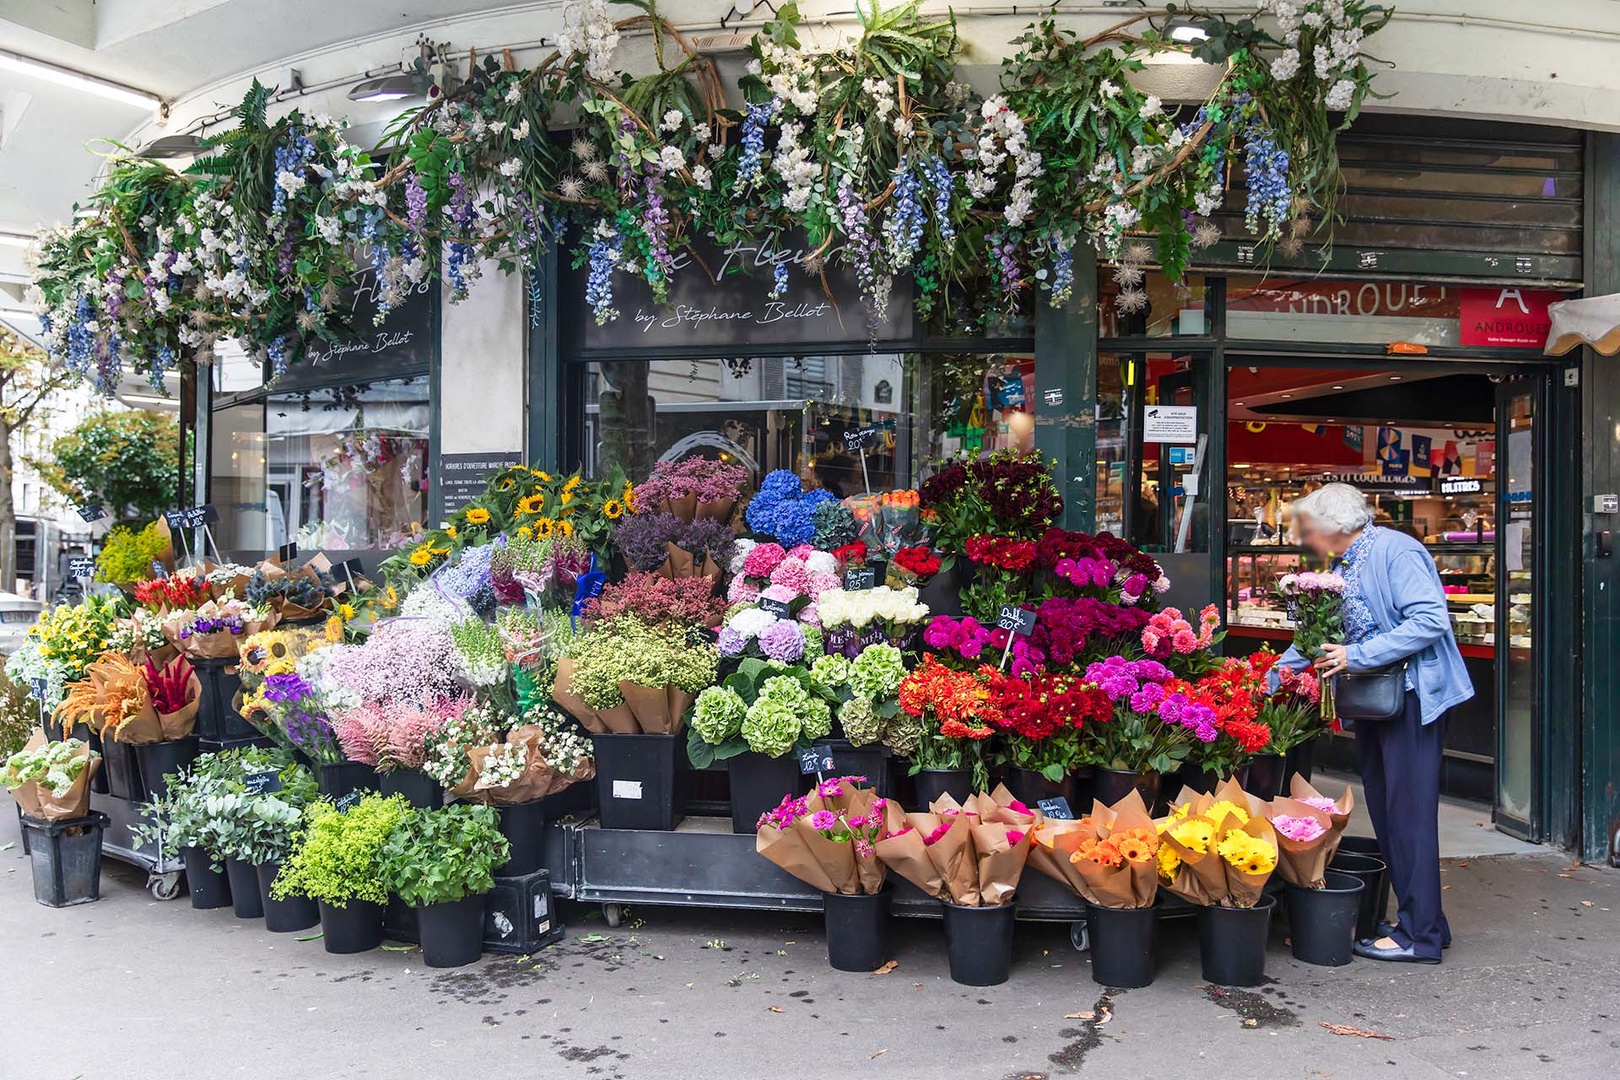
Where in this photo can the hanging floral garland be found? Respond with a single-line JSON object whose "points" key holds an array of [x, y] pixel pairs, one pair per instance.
{"points": [[868, 149]]}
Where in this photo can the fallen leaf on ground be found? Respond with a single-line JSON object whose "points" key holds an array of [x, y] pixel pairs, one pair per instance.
{"points": [[790, 942], [310, 937], [886, 968], [398, 948], [1251, 1022], [1362, 1033], [880, 1053], [1587, 903], [1104, 1015], [1087, 1015], [776, 1008]]}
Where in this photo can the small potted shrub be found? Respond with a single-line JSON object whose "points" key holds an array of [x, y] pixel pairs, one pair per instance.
{"points": [[337, 863], [255, 831], [179, 823], [442, 863]]}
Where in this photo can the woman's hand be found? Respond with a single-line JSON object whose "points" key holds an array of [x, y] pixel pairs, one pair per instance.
{"points": [[1335, 660]]}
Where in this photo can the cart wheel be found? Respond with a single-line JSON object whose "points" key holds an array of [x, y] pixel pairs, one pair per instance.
{"points": [[612, 914], [1080, 936], [165, 886]]}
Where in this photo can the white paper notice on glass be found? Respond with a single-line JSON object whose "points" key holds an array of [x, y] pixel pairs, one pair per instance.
{"points": [[1170, 424], [1514, 542]]}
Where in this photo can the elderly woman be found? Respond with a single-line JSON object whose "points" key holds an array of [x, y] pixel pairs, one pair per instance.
{"points": [[1394, 611]]}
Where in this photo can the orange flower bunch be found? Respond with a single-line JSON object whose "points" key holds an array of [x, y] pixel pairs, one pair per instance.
{"points": [[1130, 846], [961, 701]]}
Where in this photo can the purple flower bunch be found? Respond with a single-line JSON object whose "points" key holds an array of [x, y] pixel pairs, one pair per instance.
{"points": [[296, 711], [965, 637], [201, 625], [1265, 174], [1179, 710], [710, 481], [1137, 683], [643, 538]]}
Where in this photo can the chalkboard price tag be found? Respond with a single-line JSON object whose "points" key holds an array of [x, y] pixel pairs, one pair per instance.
{"points": [[37, 686], [175, 519], [1016, 619], [349, 800], [191, 517], [262, 783], [94, 512], [779, 608], [1056, 808], [859, 438], [287, 552], [815, 759], [159, 571], [858, 578], [82, 566]]}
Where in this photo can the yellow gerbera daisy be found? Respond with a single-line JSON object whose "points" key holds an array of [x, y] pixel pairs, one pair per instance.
{"points": [[478, 516], [1218, 811]]}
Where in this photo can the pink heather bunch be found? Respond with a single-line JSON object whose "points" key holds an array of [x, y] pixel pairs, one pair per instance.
{"points": [[762, 559], [390, 737], [406, 660], [710, 481], [1299, 829]]}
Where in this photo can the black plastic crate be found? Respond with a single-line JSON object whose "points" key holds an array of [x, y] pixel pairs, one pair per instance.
{"points": [[521, 917], [66, 859], [639, 781]]}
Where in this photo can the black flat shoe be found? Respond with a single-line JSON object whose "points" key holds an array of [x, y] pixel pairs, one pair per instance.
{"points": [[1366, 948], [1387, 928]]}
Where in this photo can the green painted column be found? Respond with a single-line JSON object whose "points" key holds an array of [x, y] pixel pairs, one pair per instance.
{"points": [[1066, 392], [544, 419]]}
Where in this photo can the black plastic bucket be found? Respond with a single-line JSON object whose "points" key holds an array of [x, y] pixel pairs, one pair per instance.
{"points": [[1030, 787], [1266, 775], [1111, 785], [419, 789], [217, 717], [284, 916], [66, 859], [160, 760], [123, 771], [452, 932], [1232, 943], [758, 784], [355, 927], [978, 942], [1124, 945], [1322, 922], [638, 780], [871, 761], [524, 826], [210, 888], [1374, 876], [857, 929], [338, 779], [244, 889], [932, 783], [1300, 760]]}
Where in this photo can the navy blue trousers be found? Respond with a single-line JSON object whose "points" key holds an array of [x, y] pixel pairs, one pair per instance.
{"points": [[1400, 776]]}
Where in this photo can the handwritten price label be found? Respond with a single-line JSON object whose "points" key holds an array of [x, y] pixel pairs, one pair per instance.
{"points": [[860, 438], [92, 513], [1016, 619], [781, 609], [83, 566], [815, 759], [1056, 808]]}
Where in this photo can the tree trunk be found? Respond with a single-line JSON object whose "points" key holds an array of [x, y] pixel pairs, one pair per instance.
{"points": [[8, 513]]}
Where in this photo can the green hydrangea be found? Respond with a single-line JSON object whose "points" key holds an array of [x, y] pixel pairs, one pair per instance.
{"points": [[903, 733], [876, 672], [718, 715], [861, 725], [785, 713], [835, 525], [830, 671], [813, 641]]}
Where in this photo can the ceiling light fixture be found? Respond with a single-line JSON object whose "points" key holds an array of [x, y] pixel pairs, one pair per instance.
{"points": [[78, 80], [171, 146], [395, 87], [14, 239]]}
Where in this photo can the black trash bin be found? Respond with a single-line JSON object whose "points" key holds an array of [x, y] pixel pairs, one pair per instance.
{"points": [[66, 859]]}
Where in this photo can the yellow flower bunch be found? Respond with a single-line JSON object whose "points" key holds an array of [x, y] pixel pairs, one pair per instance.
{"points": [[477, 515], [1194, 834], [1219, 810], [1168, 861], [1247, 853]]}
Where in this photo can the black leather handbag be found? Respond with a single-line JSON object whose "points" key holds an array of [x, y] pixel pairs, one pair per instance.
{"points": [[1376, 695]]}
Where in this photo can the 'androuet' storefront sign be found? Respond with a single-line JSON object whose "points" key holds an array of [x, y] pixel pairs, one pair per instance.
{"points": [[721, 297]]}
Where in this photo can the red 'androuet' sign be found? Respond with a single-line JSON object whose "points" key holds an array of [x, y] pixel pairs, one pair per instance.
{"points": [[1505, 317]]}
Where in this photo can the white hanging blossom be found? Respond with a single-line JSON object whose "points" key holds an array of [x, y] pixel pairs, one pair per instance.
{"points": [[588, 31]]}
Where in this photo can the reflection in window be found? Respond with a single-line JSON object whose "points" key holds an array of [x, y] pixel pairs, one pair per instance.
{"points": [[794, 413], [339, 469]]}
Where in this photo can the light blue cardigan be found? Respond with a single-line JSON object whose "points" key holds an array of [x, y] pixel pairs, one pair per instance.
{"points": [[1402, 589]]}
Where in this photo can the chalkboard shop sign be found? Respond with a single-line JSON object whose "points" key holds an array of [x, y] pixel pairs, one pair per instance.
{"points": [[462, 477], [722, 297], [401, 344]]}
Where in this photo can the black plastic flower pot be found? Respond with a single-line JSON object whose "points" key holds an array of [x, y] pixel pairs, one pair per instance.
{"points": [[871, 762], [1322, 922], [217, 718], [244, 889], [638, 780], [1030, 787], [978, 943], [1124, 945], [341, 778], [1111, 785], [1266, 775], [98, 782], [419, 789], [123, 771], [160, 760], [932, 783], [1232, 943], [1373, 873], [857, 929], [355, 927], [758, 784], [524, 826], [66, 859], [210, 888], [452, 932], [284, 916]]}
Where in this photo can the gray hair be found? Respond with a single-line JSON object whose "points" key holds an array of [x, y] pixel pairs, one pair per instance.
{"points": [[1335, 508]]}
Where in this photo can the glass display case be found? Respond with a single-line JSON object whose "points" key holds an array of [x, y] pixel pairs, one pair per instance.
{"points": [[1467, 573]]}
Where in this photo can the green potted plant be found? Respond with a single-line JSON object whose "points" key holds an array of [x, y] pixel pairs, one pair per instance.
{"points": [[178, 822], [255, 830], [336, 862], [442, 863]]}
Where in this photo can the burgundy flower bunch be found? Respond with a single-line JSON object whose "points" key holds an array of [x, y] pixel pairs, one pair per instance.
{"points": [[1056, 544], [658, 600], [1072, 624], [1010, 493], [710, 481]]}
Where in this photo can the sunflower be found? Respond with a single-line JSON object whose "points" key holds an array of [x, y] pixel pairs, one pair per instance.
{"points": [[525, 532], [629, 496], [477, 515], [334, 628], [422, 556], [390, 598], [573, 482], [346, 611], [530, 505], [544, 528], [613, 509], [450, 531], [565, 528], [506, 484], [542, 474]]}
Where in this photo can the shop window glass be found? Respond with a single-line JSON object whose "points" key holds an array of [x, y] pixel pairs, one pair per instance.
{"points": [[793, 413], [1149, 304], [338, 469]]}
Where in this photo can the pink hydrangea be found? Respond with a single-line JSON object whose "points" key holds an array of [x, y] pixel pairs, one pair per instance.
{"points": [[742, 591], [763, 559], [792, 573]]}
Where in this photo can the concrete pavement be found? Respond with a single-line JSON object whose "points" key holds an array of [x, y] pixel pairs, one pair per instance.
{"points": [[131, 987]]}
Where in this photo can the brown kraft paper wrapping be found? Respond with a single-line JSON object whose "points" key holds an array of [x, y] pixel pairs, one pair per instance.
{"points": [[619, 720], [1302, 863], [562, 692], [1338, 817], [716, 509], [1243, 890], [837, 860], [1051, 844], [906, 854], [41, 805], [1134, 885], [539, 778], [787, 849], [142, 729], [684, 507], [649, 705], [1000, 862], [680, 702]]}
